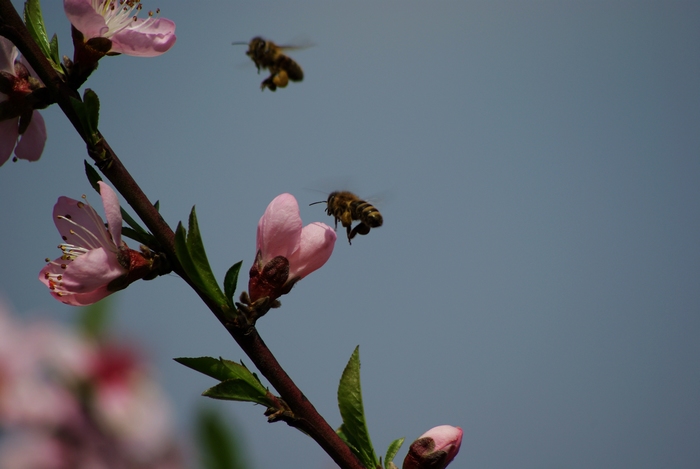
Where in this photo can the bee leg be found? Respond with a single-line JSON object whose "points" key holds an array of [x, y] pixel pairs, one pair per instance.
{"points": [[360, 229], [268, 83], [350, 235]]}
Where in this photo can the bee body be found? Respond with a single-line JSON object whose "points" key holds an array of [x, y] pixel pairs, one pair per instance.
{"points": [[346, 207], [268, 55]]}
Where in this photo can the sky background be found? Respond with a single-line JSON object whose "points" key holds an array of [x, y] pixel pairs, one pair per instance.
{"points": [[537, 278]]}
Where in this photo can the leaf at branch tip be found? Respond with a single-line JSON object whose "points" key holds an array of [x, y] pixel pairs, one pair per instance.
{"points": [[230, 281], [392, 450], [198, 255], [352, 412]]}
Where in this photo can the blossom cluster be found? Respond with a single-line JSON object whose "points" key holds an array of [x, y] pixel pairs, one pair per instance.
{"points": [[71, 402]]}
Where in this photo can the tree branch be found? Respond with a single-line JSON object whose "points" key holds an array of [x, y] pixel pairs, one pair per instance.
{"points": [[12, 27]]}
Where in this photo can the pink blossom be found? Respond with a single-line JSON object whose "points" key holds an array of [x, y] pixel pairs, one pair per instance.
{"points": [[286, 252], [95, 262], [117, 21], [25, 123], [435, 449]]}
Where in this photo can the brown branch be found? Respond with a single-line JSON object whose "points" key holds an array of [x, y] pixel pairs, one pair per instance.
{"points": [[308, 419]]}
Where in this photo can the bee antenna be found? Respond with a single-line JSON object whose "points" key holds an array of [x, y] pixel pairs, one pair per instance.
{"points": [[319, 202], [239, 43]]}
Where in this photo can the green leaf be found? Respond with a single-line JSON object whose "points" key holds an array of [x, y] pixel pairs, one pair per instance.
{"points": [[230, 281], [341, 433], [55, 55], [92, 108], [82, 113], [183, 255], [237, 381], [217, 368], [35, 24], [352, 411], [219, 446], [238, 390], [392, 450], [199, 259], [92, 175]]}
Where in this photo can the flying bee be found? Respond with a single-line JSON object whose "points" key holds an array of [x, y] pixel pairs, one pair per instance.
{"points": [[347, 207], [268, 55]]}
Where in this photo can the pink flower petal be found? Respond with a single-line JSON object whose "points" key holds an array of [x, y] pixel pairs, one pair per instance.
{"points": [[83, 16], [9, 130], [113, 213], [83, 299], [84, 226], [147, 38], [279, 229], [8, 54], [91, 270], [31, 143], [315, 248]]}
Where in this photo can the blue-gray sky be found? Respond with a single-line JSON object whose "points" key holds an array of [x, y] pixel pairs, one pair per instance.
{"points": [[537, 279]]}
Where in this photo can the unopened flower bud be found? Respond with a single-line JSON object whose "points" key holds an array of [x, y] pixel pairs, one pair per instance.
{"points": [[435, 449]]}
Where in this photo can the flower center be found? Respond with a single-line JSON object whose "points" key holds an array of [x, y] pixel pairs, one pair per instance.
{"points": [[122, 14]]}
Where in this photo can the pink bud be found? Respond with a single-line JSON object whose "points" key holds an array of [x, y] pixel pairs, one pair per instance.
{"points": [[435, 449], [286, 251]]}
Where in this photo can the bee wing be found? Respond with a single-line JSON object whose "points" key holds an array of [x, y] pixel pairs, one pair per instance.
{"points": [[298, 43]]}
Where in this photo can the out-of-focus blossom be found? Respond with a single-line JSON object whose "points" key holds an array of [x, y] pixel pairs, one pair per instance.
{"points": [[22, 129], [435, 449], [286, 252], [117, 21], [95, 261], [111, 414], [127, 402]]}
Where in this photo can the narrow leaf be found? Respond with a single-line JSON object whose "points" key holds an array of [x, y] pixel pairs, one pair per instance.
{"points": [[92, 175], [183, 255], [35, 24], [195, 246], [230, 281], [238, 390], [352, 411], [55, 56], [81, 111], [221, 369], [392, 450], [214, 367], [92, 107]]}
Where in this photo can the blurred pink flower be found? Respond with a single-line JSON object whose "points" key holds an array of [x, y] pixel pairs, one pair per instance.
{"points": [[95, 261], [286, 252], [26, 398], [59, 410], [21, 120], [117, 21], [435, 449]]}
